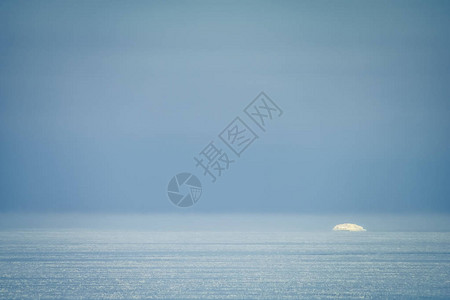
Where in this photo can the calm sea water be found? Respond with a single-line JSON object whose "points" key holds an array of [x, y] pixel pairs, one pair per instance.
{"points": [[83, 264]]}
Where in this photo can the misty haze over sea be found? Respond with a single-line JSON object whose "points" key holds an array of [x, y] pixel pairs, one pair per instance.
{"points": [[224, 222]]}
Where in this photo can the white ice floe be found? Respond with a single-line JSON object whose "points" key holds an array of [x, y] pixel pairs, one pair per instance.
{"points": [[348, 227]]}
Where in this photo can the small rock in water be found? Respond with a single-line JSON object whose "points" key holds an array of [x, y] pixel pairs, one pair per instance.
{"points": [[348, 227]]}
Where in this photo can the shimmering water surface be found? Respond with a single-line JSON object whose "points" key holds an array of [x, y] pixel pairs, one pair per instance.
{"points": [[83, 264]]}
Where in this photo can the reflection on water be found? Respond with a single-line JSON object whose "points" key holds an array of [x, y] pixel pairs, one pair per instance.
{"points": [[92, 264]]}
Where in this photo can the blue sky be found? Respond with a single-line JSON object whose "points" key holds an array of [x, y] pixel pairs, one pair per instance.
{"points": [[101, 103]]}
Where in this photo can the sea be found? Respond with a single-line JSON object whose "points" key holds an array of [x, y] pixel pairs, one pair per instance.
{"points": [[83, 263]]}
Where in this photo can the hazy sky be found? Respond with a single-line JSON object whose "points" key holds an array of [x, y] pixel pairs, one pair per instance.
{"points": [[101, 103]]}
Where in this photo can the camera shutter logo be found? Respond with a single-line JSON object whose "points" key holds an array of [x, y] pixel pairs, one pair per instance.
{"points": [[184, 189]]}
